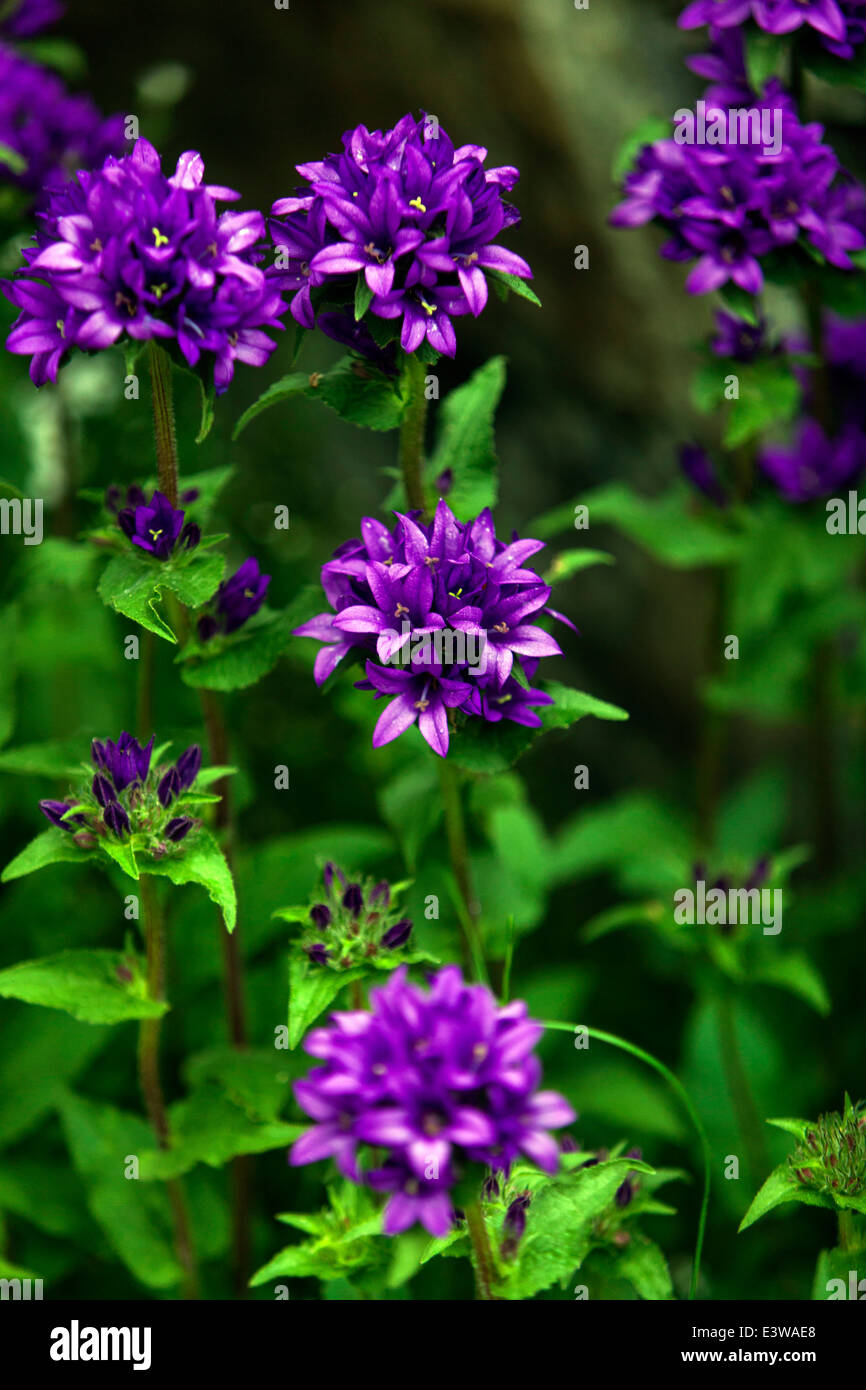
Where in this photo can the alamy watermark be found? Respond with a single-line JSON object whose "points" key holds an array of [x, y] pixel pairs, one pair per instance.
{"points": [[22, 516], [442, 647], [739, 125], [728, 907]]}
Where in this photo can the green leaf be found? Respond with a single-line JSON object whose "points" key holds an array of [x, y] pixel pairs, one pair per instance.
{"points": [[312, 988], [645, 1267], [233, 1107], [766, 57], [53, 846], [483, 747], [363, 296], [122, 854], [781, 1186], [514, 284], [83, 983], [201, 861], [295, 384], [356, 391], [795, 973], [650, 130], [14, 161], [769, 396], [240, 660], [60, 758], [42, 1051], [62, 55], [135, 1217], [570, 562], [133, 586], [465, 444], [796, 1127], [668, 527], [208, 397]]}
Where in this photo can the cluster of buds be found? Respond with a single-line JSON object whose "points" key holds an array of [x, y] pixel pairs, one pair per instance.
{"points": [[831, 1157], [128, 799], [351, 922]]}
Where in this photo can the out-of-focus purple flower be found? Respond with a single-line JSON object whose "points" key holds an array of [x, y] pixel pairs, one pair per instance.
{"points": [[438, 1079], [737, 338], [728, 205], [236, 601], [418, 219], [445, 607], [815, 465], [840, 25], [158, 527], [700, 470], [127, 252], [46, 133], [23, 18]]}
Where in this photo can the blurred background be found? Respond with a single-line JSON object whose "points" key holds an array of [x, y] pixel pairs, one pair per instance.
{"points": [[597, 391]]}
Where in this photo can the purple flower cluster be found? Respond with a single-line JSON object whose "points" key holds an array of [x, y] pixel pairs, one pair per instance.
{"points": [[157, 527], [46, 133], [444, 606], [417, 218], [351, 922], [128, 797], [436, 1079], [839, 24], [127, 252], [236, 600], [729, 205]]}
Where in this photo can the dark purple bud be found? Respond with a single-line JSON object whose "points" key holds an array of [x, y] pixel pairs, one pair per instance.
{"points": [[444, 482], [55, 811], [515, 1217], [381, 893], [635, 1153], [398, 935], [178, 828], [116, 819], [190, 495], [135, 496], [103, 789], [112, 497], [353, 899], [97, 753], [169, 788], [330, 873], [124, 973], [318, 953], [490, 1188], [567, 1145], [207, 627], [126, 521], [320, 916], [190, 536], [188, 765], [624, 1194], [759, 874]]}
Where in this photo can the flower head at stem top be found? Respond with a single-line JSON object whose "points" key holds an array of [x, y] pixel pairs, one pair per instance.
{"points": [[158, 528], [440, 1081]]}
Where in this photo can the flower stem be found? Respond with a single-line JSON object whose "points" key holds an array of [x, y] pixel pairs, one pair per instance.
{"points": [[848, 1232], [159, 363], [151, 1087], [482, 1254], [412, 433], [455, 830], [748, 1116], [233, 980], [685, 1099]]}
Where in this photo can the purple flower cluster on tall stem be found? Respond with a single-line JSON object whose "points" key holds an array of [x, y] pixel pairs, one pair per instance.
{"points": [[128, 796], [411, 597], [417, 217], [434, 1081], [127, 252], [46, 132], [729, 205]]}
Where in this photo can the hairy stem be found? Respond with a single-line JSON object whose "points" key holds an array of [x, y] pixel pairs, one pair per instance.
{"points": [[455, 830], [482, 1253], [685, 1099], [159, 363], [412, 434], [151, 1086]]}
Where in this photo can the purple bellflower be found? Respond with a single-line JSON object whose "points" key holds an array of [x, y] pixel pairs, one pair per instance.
{"points": [[24, 18], [158, 528], [438, 1079], [415, 218], [839, 24], [236, 600], [127, 252], [441, 612]]}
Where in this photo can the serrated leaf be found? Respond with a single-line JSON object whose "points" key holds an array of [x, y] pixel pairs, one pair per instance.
{"points": [[240, 660], [51, 847], [201, 861], [133, 586], [514, 284], [781, 1187], [483, 747], [312, 988], [83, 983], [645, 1267], [465, 445]]}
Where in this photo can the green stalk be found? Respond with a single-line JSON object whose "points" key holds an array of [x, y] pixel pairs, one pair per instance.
{"points": [[412, 433], [683, 1096], [482, 1254], [159, 363], [749, 1121], [455, 830], [151, 1087], [848, 1240]]}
